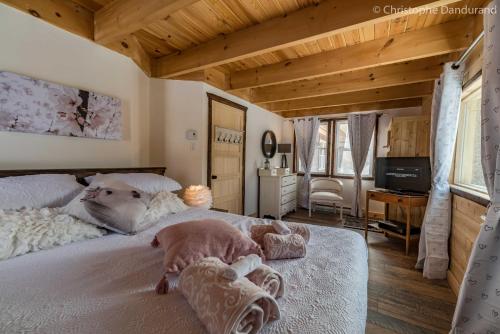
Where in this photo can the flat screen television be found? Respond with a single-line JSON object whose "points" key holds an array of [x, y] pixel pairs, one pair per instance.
{"points": [[405, 175]]}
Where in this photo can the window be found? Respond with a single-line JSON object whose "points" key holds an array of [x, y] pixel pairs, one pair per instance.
{"points": [[320, 160], [341, 162], [468, 168], [343, 165]]}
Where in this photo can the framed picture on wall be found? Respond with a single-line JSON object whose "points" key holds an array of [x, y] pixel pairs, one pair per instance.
{"points": [[37, 106]]}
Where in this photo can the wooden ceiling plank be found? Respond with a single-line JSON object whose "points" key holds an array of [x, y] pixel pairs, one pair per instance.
{"points": [[344, 109], [64, 14], [378, 77], [436, 40], [121, 18], [371, 95], [302, 26]]}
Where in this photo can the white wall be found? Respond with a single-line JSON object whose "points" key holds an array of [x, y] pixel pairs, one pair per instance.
{"points": [[32, 47], [178, 106]]}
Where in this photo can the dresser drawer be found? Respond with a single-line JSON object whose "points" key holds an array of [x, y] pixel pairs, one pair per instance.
{"points": [[287, 180], [288, 189], [285, 208], [288, 197]]}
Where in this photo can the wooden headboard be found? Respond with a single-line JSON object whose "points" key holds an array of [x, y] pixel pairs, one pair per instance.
{"points": [[81, 173]]}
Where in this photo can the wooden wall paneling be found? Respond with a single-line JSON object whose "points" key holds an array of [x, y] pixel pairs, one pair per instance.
{"points": [[466, 223]]}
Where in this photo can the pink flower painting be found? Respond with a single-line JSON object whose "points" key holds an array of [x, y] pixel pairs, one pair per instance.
{"points": [[37, 106]]}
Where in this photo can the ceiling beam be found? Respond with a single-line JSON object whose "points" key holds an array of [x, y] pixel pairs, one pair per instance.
{"points": [[432, 41], [344, 109], [132, 48], [314, 22], [119, 19], [211, 76], [64, 14], [378, 77], [365, 96]]}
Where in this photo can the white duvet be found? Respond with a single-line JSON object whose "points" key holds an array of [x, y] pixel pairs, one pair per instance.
{"points": [[106, 285]]}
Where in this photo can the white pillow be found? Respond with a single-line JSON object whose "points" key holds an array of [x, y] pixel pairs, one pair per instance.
{"points": [[118, 207], [38, 191], [147, 182]]}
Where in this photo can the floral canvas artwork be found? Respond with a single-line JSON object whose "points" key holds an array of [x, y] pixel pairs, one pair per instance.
{"points": [[37, 106]]}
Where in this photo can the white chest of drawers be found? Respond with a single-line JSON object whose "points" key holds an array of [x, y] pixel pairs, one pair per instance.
{"points": [[277, 195]]}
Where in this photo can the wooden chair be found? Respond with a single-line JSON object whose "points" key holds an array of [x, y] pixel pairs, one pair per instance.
{"points": [[326, 191]]}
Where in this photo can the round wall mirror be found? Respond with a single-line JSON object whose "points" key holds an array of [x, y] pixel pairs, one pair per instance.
{"points": [[269, 144]]}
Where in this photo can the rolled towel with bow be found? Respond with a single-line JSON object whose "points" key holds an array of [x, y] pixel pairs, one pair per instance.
{"points": [[224, 306], [242, 267], [280, 227], [257, 232], [277, 246], [268, 279]]}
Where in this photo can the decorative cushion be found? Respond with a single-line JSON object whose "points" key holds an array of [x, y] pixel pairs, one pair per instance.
{"points": [[187, 242], [113, 205], [38, 191], [31, 230], [147, 182], [325, 196]]}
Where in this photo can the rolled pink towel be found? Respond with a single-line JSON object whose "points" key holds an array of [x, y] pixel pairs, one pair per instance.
{"points": [[268, 279], [290, 246], [242, 267], [226, 307], [280, 227], [258, 231]]}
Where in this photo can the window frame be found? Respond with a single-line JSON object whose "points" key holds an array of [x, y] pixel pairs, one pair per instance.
{"points": [[467, 90], [330, 168]]}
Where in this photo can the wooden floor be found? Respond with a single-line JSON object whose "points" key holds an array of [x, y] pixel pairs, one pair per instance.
{"points": [[399, 299]]}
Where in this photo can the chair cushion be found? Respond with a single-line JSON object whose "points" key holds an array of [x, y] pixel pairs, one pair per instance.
{"points": [[325, 196]]}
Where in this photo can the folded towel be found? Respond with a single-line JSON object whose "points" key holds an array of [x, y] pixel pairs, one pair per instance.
{"points": [[290, 246], [257, 232], [223, 306], [242, 267], [280, 227], [268, 279]]}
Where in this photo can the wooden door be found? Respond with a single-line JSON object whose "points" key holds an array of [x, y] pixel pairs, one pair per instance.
{"points": [[226, 153]]}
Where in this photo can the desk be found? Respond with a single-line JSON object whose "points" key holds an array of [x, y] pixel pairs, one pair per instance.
{"points": [[407, 201]]}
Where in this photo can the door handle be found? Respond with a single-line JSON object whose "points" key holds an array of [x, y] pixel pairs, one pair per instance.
{"points": [[214, 177]]}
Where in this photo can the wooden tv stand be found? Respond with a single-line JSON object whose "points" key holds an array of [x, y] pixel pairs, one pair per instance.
{"points": [[407, 201]]}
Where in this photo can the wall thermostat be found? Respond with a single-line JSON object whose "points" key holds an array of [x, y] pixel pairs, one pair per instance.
{"points": [[191, 134]]}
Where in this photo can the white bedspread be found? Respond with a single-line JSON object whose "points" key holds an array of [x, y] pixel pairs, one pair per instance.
{"points": [[106, 285]]}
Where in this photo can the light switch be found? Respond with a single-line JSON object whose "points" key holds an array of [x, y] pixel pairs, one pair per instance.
{"points": [[191, 134]]}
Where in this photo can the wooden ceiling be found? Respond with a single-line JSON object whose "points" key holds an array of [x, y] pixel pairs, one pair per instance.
{"points": [[293, 57]]}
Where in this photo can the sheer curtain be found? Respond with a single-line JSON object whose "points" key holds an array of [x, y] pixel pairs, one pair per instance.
{"points": [[433, 246], [306, 133], [361, 127], [478, 307]]}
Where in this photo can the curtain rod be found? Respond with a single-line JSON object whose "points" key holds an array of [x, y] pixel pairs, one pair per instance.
{"points": [[467, 52]]}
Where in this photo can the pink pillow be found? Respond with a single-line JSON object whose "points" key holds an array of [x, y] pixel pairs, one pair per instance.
{"points": [[190, 241]]}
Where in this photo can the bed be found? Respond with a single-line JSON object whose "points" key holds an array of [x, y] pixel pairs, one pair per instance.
{"points": [[106, 285]]}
